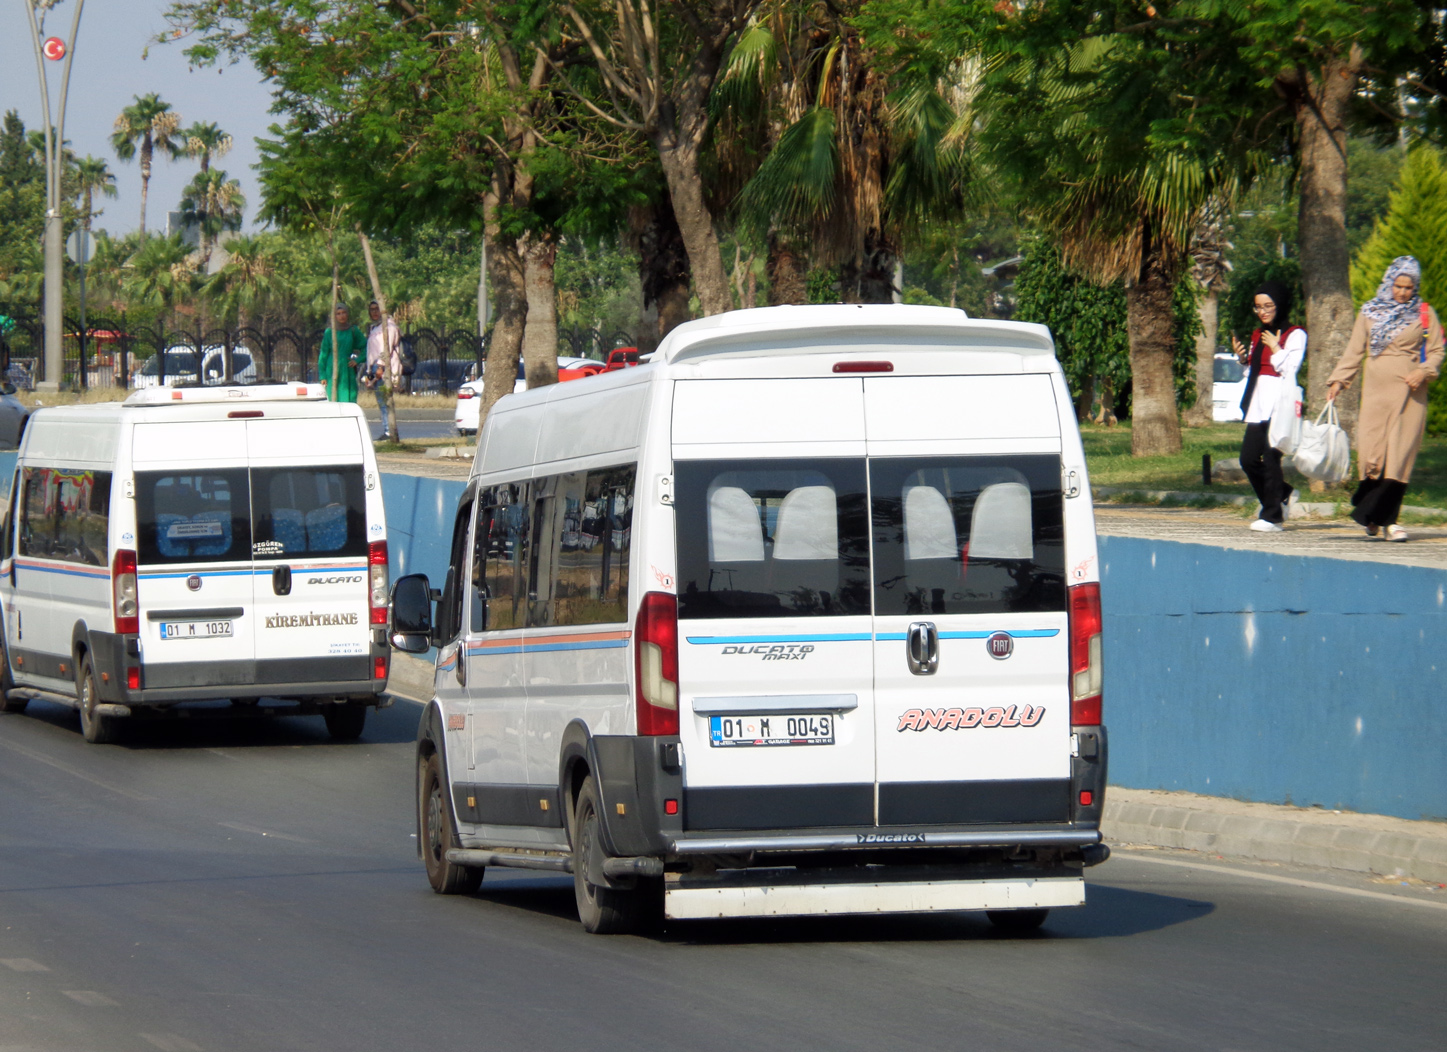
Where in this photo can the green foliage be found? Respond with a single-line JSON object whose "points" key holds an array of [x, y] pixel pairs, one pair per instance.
{"points": [[22, 214], [1415, 225]]}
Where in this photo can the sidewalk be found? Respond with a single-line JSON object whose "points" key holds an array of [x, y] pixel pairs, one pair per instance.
{"points": [[1301, 836]]}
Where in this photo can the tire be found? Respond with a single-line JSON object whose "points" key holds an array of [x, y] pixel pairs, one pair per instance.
{"points": [[1017, 921], [7, 683], [603, 911], [434, 809], [95, 728], [346, 720]]}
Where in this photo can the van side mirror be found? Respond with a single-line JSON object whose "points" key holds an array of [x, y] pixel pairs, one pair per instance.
{"points": [[6, 387], [411, 614]]}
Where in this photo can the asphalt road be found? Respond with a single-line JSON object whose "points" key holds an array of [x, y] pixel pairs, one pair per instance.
{"points": [[253, 886]]}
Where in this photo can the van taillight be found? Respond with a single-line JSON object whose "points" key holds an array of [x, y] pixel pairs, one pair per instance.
{"points": [[655, 657], [465, 393], [1085, 663], [377, 570], [123, 591]]}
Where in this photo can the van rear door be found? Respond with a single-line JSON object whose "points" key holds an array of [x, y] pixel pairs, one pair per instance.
{"points": [[193, 516], [775, 664], [309, 510], [971, 652]]}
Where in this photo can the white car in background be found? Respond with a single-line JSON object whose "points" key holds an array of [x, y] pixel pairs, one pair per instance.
{"points": [[181, 367], [1228, 385], [469, 395]]}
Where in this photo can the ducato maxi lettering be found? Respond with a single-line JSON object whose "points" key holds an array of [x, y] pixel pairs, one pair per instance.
{"points": [[774, 651], [335, 580], [966, 719], [310, 620]]}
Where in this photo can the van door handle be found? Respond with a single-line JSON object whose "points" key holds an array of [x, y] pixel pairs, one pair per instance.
{"points": [[281, 580], [922, 648]]}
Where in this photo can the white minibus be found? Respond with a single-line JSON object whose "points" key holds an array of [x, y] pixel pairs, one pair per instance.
{"points": [[800, 617], [194, 544]]}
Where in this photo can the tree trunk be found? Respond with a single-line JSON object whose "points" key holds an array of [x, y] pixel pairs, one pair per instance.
{"points": [[1202, 412], [1321, 102], [540, 337], [870, 277], [1155, 424], [510, 307], [332, 318], [788, 281], [662, 270], [145, 188], [695, 221], [390, 380]]}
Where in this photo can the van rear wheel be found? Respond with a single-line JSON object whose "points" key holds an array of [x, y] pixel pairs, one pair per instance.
{"points": [[95, 728], [345, 720], [434, 810], [1017, 921], [603, 911]]}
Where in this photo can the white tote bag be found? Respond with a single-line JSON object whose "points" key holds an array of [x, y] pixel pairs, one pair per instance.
{"points": [[1284, 431], [1324, 452]]}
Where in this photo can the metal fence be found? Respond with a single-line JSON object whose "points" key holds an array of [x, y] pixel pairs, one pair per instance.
{"points": [[112, 352]]}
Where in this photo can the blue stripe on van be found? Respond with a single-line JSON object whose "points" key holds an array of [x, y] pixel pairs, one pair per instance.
{"points": [[94, 574], [538, 648], [842, 637], [1019, 633], [200, 573]]}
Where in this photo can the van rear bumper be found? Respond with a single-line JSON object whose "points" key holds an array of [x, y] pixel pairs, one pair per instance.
{"points": [[873, 838]]}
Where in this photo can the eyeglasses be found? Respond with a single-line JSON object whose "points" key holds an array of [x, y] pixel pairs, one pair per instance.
{"points": [[1262, 310]]}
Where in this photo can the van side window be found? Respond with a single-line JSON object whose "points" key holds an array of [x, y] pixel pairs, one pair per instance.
{"points": [[965, 535], [785, 538], [309, 511], [65, 515], [502, 552], [190, 516], [580, 552]]}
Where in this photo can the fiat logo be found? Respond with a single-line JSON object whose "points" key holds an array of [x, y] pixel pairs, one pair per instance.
{"points": [[194, 582], [1000, 645]]}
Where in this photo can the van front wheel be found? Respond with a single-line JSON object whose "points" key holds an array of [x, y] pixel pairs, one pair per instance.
{"points": [[603, 911], [435, 812], [345, 720], [95, 728]]}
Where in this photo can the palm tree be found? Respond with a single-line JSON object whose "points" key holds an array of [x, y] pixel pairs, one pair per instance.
{"points": [[206, 141], [215, 204], [92, 177], [1209, 268], [160, 274], [243, 286], [152, 125]]}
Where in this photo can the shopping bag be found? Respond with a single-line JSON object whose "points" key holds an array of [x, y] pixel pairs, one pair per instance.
{"points": [[1323, 451], [1284, 431]]}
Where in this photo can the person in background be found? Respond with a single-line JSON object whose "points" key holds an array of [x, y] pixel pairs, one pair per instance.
{"points": [[1400, 339], [353, 351], [1276, 352], [384, 360]]}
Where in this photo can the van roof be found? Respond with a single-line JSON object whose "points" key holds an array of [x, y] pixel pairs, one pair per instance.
{"points": [[800, 329], [287, 392]]}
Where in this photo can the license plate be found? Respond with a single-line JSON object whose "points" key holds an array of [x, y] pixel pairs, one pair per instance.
{"points": [[800, 729], [195, 629]]}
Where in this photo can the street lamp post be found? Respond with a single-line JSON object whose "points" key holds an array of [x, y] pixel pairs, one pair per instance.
{"points": [[53, 49]]}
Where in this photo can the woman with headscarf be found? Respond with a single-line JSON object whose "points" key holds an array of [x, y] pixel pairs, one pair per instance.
{"points": [[1400, 339], [1276, 351]]}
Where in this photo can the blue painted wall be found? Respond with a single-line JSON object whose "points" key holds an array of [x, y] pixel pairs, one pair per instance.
{"points": [[1277, 678], [420, 514]]}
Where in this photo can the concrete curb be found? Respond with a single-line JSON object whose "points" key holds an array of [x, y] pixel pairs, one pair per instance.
{"points": [[1300, 510], [1269, 833]]}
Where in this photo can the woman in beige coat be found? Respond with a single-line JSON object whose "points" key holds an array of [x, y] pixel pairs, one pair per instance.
{"points": [[1402, 357]]}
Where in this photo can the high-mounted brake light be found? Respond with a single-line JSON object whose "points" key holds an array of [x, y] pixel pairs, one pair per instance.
{"points": [[123, 592], [864, 367], [655, 657], [377, 571], [1085, 656]]}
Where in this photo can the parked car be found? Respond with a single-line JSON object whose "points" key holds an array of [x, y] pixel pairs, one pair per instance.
{"points": [[469, 395], [181, 367], [14, 414], [425, 378], [1228, 384], [622, 358]]}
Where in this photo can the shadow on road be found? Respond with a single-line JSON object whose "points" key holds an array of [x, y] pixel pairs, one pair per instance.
{"points": [[215, 725], [1110, 912]]}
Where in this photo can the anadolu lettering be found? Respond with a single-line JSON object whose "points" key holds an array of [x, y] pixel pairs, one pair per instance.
{"points": [[967, 719]]}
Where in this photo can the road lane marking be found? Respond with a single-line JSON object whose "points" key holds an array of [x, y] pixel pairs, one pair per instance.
{"points": [[1292, 881], [264, 832], [90, 998], [42, 758], [171, 1043], [23, 964]]}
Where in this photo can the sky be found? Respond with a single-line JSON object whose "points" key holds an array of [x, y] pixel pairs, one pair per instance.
{"points": [[107, 73]]}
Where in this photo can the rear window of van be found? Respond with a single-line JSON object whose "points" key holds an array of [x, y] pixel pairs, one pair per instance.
{"points": [[193, 516], [308, 512]]}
